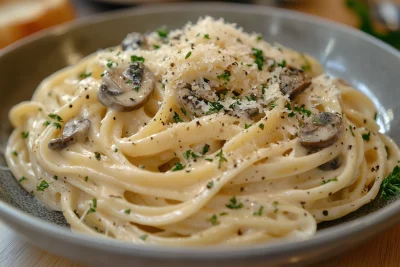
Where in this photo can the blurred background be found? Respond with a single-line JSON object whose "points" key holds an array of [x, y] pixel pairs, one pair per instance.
{"points": [[20, 18]]}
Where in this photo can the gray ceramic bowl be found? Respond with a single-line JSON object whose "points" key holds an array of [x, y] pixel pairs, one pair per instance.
{"points": [[368, 64]]}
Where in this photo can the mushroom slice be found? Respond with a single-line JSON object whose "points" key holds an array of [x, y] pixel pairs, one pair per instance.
{"points": [[293, 81], [331, 165], [127, 90], [133, 41], [322, 131], [75, 130]]}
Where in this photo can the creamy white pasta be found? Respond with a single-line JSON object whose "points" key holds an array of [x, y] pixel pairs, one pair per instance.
{"points": [[226, 140]]}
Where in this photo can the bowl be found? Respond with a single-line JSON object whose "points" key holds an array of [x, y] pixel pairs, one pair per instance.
{"points": [[368, 64]]}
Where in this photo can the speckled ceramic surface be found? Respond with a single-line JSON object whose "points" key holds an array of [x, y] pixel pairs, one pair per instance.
{"points": [[366, 63]]}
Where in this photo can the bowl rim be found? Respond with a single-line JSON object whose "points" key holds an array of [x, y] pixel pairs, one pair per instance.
{"points": [[331, 234]]}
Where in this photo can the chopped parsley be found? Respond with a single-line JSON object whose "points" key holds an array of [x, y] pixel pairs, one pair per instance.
{"points": [[210, 184], [97, 155], [225, 76], [15, 153], [57, 125], [259, 37], [223, 214], [176, 118], [206, 36], [55, 177], [263, 87], [188, 54], [116, 150], [302, 110], [128, 211], [86, 178], [109, 63], [215, 107], [330, 180], [22, 179], [143, 237], [178, 166], [247, 126], [55, 117], [208, 159], [46, 123], [137, 59], [206, 148], [42, 186], [183, 111], [307, 65], [366, 136], [85, 75], [163, 32], [259, 212], [233, 204], [93, 206], [272, 105], [258, 57], [391, 184], [24, 135], [221, 157], [156, 46], [351, 130], [189, 153], [214, 219], [261, 126], [129, 81], [376, 115], [283, 64]]}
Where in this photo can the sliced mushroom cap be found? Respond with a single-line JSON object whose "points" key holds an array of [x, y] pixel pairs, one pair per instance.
{"points": [[331, 165], [321, 131], [75, 130], [127, 90], [293, 81], [133, 41]]}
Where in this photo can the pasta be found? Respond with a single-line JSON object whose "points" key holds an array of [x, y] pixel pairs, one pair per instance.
{"points": [[204, 135]]}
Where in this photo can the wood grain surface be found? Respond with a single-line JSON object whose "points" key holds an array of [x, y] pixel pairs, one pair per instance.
{"points": [[383, 250]]}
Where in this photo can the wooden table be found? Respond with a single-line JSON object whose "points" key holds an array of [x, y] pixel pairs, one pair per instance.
{"points": [[383, 250]]}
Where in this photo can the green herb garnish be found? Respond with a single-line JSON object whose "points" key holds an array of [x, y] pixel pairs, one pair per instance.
{"points": [[206, 36], [143, 237], [366, 136], [46, 123], [234, 205], [247, 126], [24, 135], [15, 153], [188, 54], [259, 212], [214, 219], [221, 158], [225, 76], [302, 110], [93, 206], [85, 75], [55, 117], [163, 32], [258, 57], [351, 130], [261, 126], [210, 184], [128, 211], [176, 118], [42, 186], [206, 148], [137, 59], [22, 179], [391, 184], [57, 125], [178, 166], [156, 46]]}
